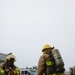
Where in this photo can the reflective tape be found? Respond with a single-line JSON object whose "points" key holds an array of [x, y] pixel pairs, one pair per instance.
{"points": [[53, 74], [48, 63]]}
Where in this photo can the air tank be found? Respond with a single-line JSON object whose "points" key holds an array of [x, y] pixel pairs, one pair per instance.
{"points": [[58, 59]]}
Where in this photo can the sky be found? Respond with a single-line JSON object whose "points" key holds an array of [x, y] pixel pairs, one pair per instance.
{"points": [[27, 25]]}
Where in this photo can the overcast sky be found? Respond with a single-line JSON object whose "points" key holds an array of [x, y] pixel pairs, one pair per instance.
{"points": [[27, 25]]}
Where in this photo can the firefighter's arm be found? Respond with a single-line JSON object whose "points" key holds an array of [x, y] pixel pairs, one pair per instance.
{"points": [[41, 65], [1, 69], [17, 71]]}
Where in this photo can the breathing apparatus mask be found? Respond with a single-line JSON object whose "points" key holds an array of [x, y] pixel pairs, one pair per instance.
{"points": [[10, 62]]}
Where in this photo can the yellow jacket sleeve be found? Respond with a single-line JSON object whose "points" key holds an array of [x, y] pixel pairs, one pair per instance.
{"points": [[2, 71], [17, 71]]}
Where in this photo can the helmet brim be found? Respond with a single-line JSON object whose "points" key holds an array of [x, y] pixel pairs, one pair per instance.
{"points": [[48, 48]]}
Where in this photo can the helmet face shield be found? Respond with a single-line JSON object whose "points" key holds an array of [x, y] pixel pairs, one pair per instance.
{"points": [[12, 60], [10, 63]]}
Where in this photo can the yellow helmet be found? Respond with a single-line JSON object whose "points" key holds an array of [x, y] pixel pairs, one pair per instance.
{"points": [[46, 47], [11, 56]]}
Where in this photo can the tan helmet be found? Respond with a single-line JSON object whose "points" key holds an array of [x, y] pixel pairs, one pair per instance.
{"points": [[47, 46], [11, 56]]}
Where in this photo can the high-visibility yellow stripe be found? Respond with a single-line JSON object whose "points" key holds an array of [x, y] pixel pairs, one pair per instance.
{"points": [[48, 63], [53, 74]]}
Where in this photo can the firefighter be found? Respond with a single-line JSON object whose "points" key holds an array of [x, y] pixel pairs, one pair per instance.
{"points": [[71, 70], [46, 63], [74, 70], [8, 67]]}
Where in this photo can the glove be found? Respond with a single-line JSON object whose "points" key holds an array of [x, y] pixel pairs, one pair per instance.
{"points": [[12, 73], [57, 69], [18, 73], [60, 69], [15, 73], [6, 71]]}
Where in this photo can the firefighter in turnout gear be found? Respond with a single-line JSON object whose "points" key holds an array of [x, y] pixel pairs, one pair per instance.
{"points": [[74, 70], [8, 67], [46, 63]]}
